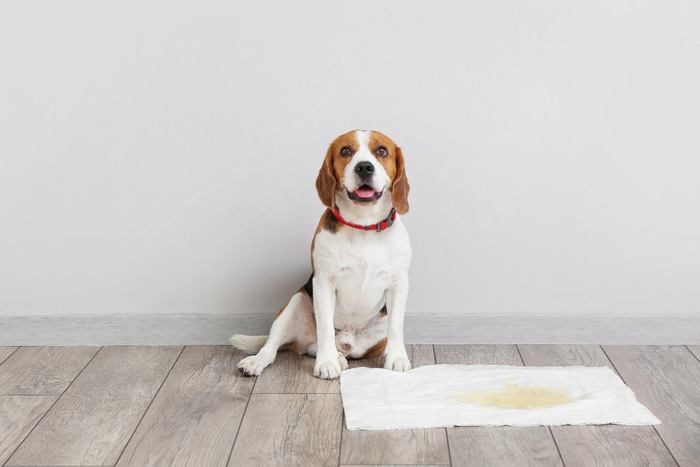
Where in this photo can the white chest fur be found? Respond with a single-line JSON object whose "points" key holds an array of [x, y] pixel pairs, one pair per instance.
{"points": [[361, 265]]}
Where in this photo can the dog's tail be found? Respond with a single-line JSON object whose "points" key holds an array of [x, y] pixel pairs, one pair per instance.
{"points": [[248, 344]]}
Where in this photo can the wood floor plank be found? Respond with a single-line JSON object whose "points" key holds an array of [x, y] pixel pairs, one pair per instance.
{"points": [[607, 445], [563, 355], [486, 446], [665, 379], [18, 415], [695, 349], [478, 354], [289, 429], [293, 374], [502, 445], [43, 370], [424, 446], [611, 445], [195, 416], [6, 352], [94, 418]]}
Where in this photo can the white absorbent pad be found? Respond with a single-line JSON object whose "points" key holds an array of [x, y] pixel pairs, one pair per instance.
{"points": [[488, 395]]}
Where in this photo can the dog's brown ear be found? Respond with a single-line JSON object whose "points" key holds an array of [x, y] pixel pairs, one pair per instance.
{"points": [[325, 182], [400, 186]]}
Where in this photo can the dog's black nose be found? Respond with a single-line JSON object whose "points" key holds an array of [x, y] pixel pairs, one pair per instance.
{"points": [[364, 169]]}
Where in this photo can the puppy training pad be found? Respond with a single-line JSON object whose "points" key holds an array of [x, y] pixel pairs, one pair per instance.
{"points": [[488, 395]]}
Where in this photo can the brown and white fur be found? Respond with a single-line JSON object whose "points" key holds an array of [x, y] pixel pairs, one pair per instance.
{"points": [[354, 303]]}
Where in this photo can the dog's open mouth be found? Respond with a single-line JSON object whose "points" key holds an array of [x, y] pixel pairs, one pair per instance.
{"points": [[364, 193]]}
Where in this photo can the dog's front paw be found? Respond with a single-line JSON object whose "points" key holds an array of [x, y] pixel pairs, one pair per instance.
{"points": [[251, 366], [397, 361], [327, 369]]}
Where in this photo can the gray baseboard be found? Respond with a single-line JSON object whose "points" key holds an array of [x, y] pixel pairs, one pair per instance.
{"points": [[193, 329]]}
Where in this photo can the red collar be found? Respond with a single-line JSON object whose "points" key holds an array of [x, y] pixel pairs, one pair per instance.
{"points": [[379, 226]]}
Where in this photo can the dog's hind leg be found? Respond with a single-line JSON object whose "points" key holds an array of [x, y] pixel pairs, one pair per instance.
{"points": [[290, 329]]}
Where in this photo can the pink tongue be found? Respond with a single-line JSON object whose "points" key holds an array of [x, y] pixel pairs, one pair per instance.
{"points": [[364, 192]]}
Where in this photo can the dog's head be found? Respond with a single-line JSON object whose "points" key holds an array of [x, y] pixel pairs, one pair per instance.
{"points": [[364, 166]]}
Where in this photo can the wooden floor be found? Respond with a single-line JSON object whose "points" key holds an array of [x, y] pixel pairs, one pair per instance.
{"points": [[188, 406]]}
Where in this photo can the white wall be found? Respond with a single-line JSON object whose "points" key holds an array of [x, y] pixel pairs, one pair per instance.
{"points": [[161, 156]]}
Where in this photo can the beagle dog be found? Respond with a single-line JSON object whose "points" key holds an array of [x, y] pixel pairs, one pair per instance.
{"points": [[353, 304]]}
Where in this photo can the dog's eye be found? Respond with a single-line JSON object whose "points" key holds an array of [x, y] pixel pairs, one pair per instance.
{"points": [[381, 151], [346, 151]]}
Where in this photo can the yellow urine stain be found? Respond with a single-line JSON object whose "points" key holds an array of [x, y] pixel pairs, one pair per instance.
{"points": [[514, 396]]}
